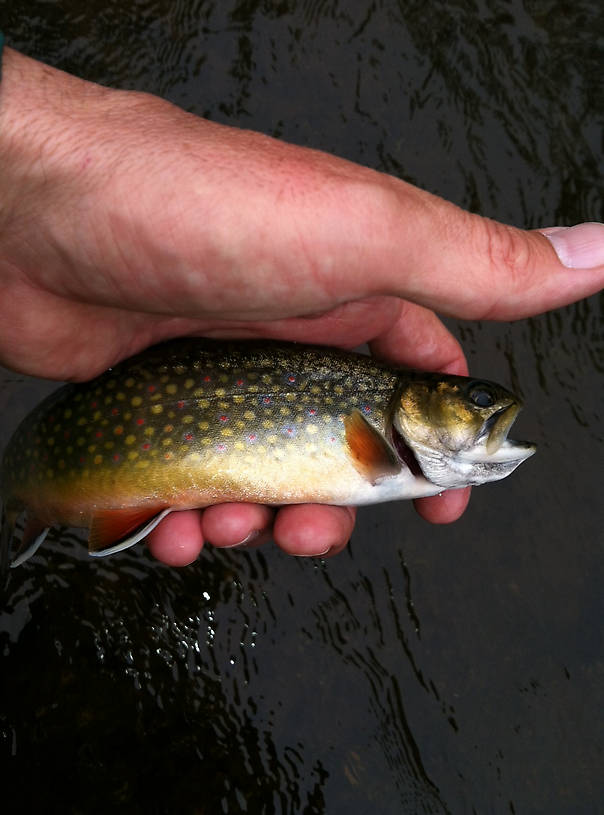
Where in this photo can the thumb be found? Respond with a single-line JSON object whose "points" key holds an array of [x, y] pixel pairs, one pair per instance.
{"points": [[467, 266]]}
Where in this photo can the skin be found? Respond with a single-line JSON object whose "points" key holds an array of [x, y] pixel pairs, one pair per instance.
{"points": [[125, 221]]}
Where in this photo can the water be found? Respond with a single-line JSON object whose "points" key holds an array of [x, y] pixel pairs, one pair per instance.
{"points": [[425, 670]]}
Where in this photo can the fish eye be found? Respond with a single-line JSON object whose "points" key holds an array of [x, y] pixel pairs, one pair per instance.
{"points": [[481, 397]]}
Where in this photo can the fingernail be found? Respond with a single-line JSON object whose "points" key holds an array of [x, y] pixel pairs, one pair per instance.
{"points": [[578, 247], [247, 540]]}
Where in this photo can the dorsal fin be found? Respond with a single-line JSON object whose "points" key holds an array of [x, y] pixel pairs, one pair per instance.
{"points": [[372, 455], [112, 530]]}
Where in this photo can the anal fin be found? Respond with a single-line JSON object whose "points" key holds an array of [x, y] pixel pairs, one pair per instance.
{"points": [[113, 530]]}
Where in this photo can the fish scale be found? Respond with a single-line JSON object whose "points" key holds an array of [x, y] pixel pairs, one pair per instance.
{"points": [[195, 422]]}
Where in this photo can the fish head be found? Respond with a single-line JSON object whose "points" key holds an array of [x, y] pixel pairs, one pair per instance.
{"points": [[457, 429]]}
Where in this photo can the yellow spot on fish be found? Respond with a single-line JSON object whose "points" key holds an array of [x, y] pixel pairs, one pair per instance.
{"points": [[311, 429], [205, 441], [132, 455], [98, 459], [315, 389], [149, 431], [163, 379], [239, 424], [91, 448], [140, 465], [249, 415], [96, 415], [108, 445], [127, 416], [108, 400], [285, 411], [238, 445], [271, 440], [50, 442], [171, 388], [156, 408], [189, 383], [226, 432], [166, 442], [180, 370], [219, 392], [81, 441], [129, 382], [238, 399], [203, 425], [120, 396], [82, 421], [157, 396], [130, 439], [187, 419], [136, 401], [267, 424], [194, 457], [253, 388]]}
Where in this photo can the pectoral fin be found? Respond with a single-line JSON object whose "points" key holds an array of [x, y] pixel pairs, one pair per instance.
{"points": [[115, 529], [371, 454]]}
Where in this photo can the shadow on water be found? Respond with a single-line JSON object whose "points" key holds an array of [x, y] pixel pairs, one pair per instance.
{"points": [[425, 670]]}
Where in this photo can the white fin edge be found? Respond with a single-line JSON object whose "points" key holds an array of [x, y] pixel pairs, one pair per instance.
{"points": [[138, 536]]}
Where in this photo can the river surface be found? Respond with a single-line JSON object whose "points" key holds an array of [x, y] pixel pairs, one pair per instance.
{"points": [[424, 670]]}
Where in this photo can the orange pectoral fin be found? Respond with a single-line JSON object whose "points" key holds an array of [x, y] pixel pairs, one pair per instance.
{"points": [[112, 530], [371, 454]]}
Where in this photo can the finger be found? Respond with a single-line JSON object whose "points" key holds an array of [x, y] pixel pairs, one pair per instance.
{"points": [[227, 525], [178, 539], [444, 508], [418, 339], [312, 529], [464, 265]]}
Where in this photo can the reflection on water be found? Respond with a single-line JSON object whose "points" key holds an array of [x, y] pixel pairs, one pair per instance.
{"points": [[426, 670]]}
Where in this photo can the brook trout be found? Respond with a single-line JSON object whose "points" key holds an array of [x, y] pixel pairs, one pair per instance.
{"points": [[196, 422]]}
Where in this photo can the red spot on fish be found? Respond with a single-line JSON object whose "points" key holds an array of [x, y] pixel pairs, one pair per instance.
{"points": [[207, 379], [167, 455], [224, 419], [116, 456], [146, 445], [366, 409], [118, 430], [266, 400], [66, 434], [82, 459], [312, 411], [114, 411], [291, 379], [188, 436], [289, 431], [239, 382], [99, 434], [252, 437], [140, 421], [221, 447], [93, 405], [151, 388], [180, 404]]}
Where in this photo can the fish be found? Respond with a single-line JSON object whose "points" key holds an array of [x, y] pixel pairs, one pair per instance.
{"points": [[195, 422]]}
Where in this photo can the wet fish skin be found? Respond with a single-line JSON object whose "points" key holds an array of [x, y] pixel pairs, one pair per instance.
{"points": [[195, 422]]}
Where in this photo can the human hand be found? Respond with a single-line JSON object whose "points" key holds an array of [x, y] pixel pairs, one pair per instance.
{"points": [[126, 221]]}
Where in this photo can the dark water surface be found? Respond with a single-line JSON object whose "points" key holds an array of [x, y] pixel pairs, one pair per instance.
{"points": [[425, 670]]}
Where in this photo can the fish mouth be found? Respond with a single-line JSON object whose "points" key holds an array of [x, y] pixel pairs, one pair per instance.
{"points": [[498, 447]]}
